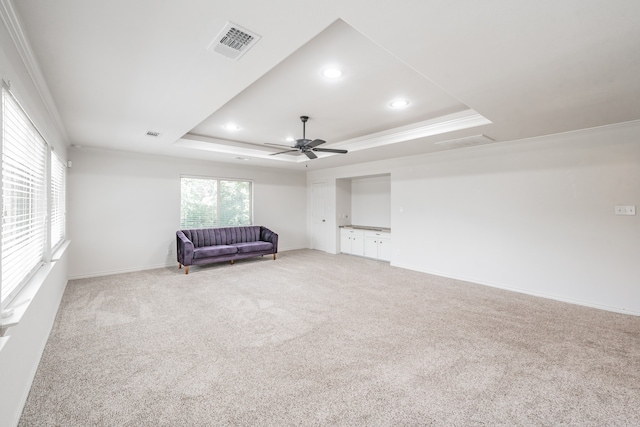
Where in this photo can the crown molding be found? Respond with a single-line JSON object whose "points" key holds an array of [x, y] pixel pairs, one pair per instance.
{"points": [[20, 40], [217, 145], [451, 122]]}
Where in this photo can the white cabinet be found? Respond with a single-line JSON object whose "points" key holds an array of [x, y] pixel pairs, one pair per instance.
{"points": [[352, 241], [368, 243], [377, 245], [345, 241]]}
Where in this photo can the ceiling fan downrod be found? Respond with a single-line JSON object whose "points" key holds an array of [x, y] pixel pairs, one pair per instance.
{"points": [[304, 121]]}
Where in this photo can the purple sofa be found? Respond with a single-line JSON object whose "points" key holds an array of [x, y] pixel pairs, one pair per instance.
{"points": [[209, 245]]}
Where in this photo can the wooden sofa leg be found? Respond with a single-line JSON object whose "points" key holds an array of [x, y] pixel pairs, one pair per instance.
{"points": [[179, 266], [274, 257], [186, 269], [231, 262]]}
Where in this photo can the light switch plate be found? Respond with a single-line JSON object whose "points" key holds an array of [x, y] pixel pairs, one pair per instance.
{"points": [[625, 210]]}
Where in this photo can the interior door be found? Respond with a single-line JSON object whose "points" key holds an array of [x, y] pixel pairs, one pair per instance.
{"points": [[319, 216]]}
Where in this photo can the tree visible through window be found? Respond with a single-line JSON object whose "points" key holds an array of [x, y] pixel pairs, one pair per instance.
{"points": [[210, 202]]}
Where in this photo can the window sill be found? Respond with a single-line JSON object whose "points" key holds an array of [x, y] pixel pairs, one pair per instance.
{"points": [[13, 313]]}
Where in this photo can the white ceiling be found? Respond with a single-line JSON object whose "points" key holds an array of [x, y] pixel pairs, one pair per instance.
{"points": [[502, 68]]}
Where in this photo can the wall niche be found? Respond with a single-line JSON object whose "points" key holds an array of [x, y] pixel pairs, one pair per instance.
{"points": [[364, 201]]}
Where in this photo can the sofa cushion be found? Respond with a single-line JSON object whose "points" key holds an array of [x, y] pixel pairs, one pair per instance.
{"points": [[203, 237], [247, 247], [209, 251]]}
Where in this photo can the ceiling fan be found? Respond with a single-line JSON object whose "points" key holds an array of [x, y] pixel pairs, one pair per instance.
{"points": [[307, 146]]}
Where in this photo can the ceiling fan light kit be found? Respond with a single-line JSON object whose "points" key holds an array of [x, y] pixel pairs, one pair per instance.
{"points": [[307, 146]]}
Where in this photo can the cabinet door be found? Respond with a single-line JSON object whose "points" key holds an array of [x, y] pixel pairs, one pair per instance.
{"points": [[384, 249], [357, 244], [371, 247], [345, 241]]}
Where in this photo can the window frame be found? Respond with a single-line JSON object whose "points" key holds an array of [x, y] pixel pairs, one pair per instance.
{"points": [[40, 248], [58, 205]]}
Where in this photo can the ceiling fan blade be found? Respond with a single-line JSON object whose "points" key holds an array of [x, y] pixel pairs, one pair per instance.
{"points": [[310, 155], [330, 150], [277, 145], [282, 152], [314, 143]]}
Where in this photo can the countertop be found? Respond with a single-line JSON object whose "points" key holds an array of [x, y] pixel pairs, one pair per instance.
{"points": [[366, 227]]}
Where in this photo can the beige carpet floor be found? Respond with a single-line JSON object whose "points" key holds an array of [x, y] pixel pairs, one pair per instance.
{"points": [[319, 339]]}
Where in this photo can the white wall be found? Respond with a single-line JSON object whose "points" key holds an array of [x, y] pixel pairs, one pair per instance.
{"points": [[21, 354], [343, 201], [536, 216], [371, 201], [124, 208]]}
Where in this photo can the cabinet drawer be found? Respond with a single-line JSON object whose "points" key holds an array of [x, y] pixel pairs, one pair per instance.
{"points": [[353, 232], [378, 234]]}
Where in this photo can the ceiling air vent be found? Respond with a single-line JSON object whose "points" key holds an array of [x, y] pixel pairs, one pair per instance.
{"points": [[153, 133], [233, 41], [469, 141]]}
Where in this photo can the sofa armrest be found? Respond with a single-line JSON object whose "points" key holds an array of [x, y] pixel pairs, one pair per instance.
{"points": [[184, 249], [267, 235]]}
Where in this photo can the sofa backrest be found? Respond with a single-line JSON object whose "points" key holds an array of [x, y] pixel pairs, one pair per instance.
{"points": [[223, 235]]}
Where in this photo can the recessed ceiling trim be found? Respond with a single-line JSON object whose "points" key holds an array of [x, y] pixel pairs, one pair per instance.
{"points": [[452, 122], [457, 121], [217, 145]]}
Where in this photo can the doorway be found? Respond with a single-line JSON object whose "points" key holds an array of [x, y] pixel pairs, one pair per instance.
{"points": [[319, 216]]}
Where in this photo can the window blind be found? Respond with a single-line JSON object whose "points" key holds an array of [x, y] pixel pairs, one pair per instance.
{"points": [[24, 154], [198, 204], [234, 203], [210, 202]]}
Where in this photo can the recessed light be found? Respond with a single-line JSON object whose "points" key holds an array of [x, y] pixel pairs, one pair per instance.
{"points": [[241, 158], [332, 73], [399, 103], [290, 139], [231, 127]]}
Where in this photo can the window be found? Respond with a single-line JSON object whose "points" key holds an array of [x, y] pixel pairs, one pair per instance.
{"points": [[58, 208], [210, 202], [24, 198]]}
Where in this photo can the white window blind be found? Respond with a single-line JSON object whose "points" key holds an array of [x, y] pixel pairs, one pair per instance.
{"points": [[58, 206], [234, 203], [24, 198], [210, 202]]}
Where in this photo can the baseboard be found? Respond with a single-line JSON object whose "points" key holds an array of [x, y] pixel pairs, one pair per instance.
{"points": [[521, 291], [122, 271], [142, 268]]}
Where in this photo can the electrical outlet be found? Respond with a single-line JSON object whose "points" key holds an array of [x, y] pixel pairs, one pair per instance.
{"points": [[625, 210]]}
